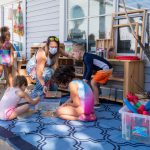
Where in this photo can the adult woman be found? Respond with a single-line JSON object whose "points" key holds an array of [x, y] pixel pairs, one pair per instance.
{"points": [[6, 45], [46, 59]]}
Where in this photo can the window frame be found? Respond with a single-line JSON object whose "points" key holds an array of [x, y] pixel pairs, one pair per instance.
{"points": [[66, 20]]}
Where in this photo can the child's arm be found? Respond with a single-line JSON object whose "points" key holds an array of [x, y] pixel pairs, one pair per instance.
{"points": [[63, 53], [40, 60], [11, 55], [27, 98]]}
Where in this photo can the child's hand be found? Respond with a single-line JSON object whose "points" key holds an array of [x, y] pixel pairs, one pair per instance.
{"points": [[36, 100], [45, 89]]}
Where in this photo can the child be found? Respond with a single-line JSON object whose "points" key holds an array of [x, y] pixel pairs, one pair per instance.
{"points": [[92, 63], [6, 45], [11, 98], [81, 103]]}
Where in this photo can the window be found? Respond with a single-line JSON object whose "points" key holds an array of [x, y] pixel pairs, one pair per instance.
{"points": [[88, 20], [136, 4], [126, 41]]}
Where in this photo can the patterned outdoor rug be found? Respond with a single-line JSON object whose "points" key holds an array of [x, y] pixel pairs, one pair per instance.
{"points": [[44, 133]]}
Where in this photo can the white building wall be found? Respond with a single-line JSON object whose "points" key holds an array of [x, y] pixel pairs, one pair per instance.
{"points": [[7, 1], [42, 20], [1, 16]]}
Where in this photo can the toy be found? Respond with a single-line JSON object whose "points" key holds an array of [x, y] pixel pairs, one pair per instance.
{"points": [[140, 108], [140, 131], [130, 107], [53, 94], [147, 106], [135, 126]]}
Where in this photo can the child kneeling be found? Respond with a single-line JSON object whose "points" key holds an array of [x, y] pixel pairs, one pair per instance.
{"points": [[80, 106], [12, 97]]}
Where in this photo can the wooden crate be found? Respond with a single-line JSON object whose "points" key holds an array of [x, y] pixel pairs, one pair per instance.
{"points": [[34, 48], [65, 61], [104, 43], [78, 70]]}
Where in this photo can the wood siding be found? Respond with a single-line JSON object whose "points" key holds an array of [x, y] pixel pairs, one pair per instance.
{"points": [[42, 21]]}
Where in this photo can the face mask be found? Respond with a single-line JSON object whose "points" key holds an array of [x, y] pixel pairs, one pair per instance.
{"points": [[53, 50]]}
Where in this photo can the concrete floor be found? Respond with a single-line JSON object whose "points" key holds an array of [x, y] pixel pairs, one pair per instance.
{"points": [[5, 146]]}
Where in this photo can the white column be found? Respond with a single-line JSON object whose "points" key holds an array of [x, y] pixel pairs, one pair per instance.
{"points": [[62, 20], [24, 10], [1, 16]]}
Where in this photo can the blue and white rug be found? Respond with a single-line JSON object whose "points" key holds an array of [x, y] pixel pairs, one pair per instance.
{"points": [[44, 133]]}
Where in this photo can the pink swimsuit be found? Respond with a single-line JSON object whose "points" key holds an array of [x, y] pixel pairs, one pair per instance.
{"points": [[87, 100]]}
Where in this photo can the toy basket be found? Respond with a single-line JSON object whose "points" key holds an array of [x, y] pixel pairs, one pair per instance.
{"points": [[135, 126]]}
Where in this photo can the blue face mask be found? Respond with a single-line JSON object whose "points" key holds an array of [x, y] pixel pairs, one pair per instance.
{"points": [[53, 50]]}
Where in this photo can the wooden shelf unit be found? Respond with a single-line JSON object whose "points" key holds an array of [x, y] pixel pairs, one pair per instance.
{"points": [[133, 76], [112, 78], [104, 43], [77, 65]]}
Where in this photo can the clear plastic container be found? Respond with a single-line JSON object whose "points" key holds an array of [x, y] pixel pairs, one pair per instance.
{"points": [[135, 127]]}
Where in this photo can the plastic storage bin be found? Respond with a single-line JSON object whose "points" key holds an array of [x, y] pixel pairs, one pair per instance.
{"points": [[135, 126]]}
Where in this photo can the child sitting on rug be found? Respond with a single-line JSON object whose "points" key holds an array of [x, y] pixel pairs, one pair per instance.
{"points": [[93, 62], [12, 97], [81, 103]]}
